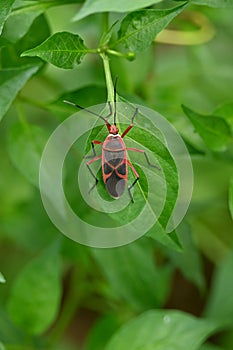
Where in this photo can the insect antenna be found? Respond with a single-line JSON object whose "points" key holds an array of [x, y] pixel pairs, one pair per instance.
{"points": [[89, 111], [114, 116]]}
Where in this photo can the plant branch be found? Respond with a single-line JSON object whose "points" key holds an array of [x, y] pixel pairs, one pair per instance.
{"points": [[108, 77]]}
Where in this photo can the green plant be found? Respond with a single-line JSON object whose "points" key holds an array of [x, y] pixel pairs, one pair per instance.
{"points": [[51, 284]]}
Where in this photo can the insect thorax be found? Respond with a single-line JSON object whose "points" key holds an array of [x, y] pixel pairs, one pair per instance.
{"points": [[114, 143], [114, 149]]}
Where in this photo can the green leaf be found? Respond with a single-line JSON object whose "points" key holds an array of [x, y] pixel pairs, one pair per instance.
{"points": [[138, 29], [231, 197], [11, 82], [2, 278], [38, 32], [96, 6], [162, 330], [147, 137], [142, 138], [189, 260], [102, 332], [9, 332], [150, 140], [214, 3], [35, 295], [225, 111], [63, 49], [214, 130], [169, 240], [193, 150], [3, 42], [136, 279], [6, 6], [106, 37], [220, 303], [21, 19], [25, 146]]}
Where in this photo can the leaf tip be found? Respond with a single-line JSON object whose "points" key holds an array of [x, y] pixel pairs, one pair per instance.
{"points": [[184, 107], [26, 53], [187, 110]]}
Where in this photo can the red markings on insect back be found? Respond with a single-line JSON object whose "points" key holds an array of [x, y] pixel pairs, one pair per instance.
{"points": [[114, 165], [114, 158]]}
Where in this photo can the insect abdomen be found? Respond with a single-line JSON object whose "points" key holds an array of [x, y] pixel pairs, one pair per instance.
{"points": [[115, 185], [114, 165]]}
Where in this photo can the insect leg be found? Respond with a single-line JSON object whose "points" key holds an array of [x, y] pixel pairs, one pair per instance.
{"points": [[146, 156], [110, 110], [89, 168], [94, 142], [135, 181], [131, 125]]}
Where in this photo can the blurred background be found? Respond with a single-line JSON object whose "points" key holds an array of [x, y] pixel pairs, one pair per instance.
{"points": [[95, 291]]}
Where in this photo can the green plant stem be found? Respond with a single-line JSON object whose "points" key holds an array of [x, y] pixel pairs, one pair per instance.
{"points": [[108, 77], [129, 55]]}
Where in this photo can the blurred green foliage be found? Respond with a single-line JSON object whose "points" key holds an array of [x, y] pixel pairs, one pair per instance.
{"points": [[57, 294]]}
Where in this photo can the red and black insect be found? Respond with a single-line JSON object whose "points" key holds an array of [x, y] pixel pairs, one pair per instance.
{"points": [[114, 158]]}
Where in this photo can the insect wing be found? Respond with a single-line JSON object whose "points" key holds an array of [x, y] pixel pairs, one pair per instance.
{"points": [[115, 185]]}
